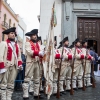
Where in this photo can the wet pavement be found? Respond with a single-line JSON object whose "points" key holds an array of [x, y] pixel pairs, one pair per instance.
{"points": [[89, 94]]}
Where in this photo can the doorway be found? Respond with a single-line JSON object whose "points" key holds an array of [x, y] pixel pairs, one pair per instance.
{"points": [[93, 43], [89, 28]]}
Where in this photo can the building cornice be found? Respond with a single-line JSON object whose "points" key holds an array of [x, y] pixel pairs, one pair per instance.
{"points": [[83, 1], [86, 11], [7, 7]]}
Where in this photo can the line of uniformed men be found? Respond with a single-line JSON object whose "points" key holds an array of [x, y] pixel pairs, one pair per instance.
{"points": [[10, 62]]}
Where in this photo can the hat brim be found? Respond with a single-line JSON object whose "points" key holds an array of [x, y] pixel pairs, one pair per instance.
{"points": [[30, 34], [8, 33], [13, 29]]}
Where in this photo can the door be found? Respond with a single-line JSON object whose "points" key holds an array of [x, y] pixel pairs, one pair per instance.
{"points": [[89, 28]]}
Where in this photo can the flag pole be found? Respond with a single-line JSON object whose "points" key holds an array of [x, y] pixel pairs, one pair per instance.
{"points": [[49, 56]]}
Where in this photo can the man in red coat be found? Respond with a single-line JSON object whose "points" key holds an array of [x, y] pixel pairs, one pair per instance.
{"points": [[10, 62], [87, 60], [78, 68], [33, 53]]}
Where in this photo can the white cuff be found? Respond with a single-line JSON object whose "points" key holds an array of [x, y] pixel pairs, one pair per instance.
{"points": [[3, 70], [20, 67], [41, 53]]}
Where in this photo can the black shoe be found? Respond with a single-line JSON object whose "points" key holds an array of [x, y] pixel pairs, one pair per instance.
{"points": [[80, 88], [67, 90], [61, 94], [39, 97], [31, 93], [75, 89], [26, 98], [64, 92], [55, 94], [42, 91]]}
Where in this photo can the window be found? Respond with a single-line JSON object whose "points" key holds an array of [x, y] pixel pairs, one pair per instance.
{"points": [[9, 23], [20, 32], [14, 25], [4, 23], [5, 19], [20, 35]]}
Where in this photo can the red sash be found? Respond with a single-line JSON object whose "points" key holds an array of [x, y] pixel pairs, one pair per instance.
{"points": [[9, 52], [79, 50]]}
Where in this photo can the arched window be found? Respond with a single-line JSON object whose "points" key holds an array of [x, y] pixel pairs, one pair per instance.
{"points": [[9, 23], [14, 25]]}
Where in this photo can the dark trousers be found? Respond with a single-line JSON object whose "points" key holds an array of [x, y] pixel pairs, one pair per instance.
{"points": [[19, 79]]}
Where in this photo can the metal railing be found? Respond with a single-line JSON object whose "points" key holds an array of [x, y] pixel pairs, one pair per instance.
{"points": [[5, 24]]}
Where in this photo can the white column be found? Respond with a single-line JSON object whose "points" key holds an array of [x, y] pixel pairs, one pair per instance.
{"points": [[45, 16]]}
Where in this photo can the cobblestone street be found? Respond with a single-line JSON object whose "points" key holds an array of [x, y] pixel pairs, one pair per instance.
{"points": [[89, 94]]}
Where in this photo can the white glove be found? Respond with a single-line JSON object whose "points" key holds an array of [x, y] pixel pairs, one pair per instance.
{"points": [[41, 53], [20, 67]]}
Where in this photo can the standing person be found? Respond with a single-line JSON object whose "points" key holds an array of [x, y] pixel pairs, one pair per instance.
{"points": [[93, 54], [21, 74], [10, 61], [94, 62], [67, 61], [32, 64], [88, 59], [97, 73], [23, 64], [65, 73], [78, 68], [31, 90]]}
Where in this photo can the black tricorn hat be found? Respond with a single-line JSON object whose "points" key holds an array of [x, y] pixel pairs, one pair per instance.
{"points": [[59, 46], [64, 40], [84, 41], [60, 42], [12, 29], [33, 32], [72, 45], [28, 34], [77, 40]]}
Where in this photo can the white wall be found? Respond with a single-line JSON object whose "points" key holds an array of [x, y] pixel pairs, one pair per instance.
{"points": [[45, 15], [24, 27]]}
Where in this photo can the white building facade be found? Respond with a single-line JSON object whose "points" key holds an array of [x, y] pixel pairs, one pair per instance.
{"points": [[75, 18], [45, 16]]}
